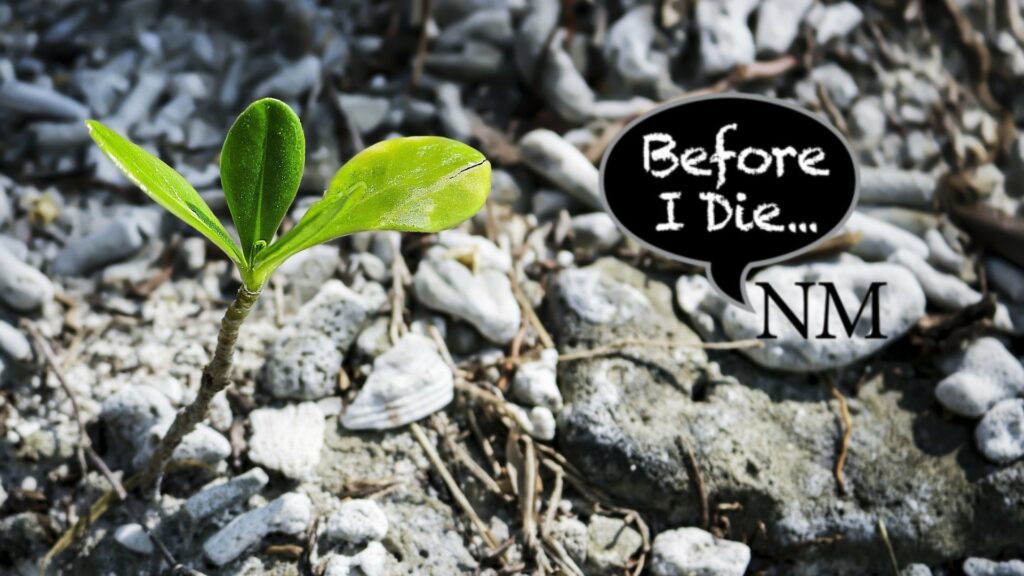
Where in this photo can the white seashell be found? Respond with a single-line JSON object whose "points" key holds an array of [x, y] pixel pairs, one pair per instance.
{"points": [[408, 382]]}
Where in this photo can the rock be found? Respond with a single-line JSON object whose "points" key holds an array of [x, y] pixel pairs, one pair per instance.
{"points": [[369, 562], [941, 254], [538, 422], [610, 544], [725, 40], [692, 551], [134, 538], [291, 80], [893, 186], [629, 48], [114, 242], [980, 376], [833, 21], [357, 521], [837, 82], [493, 26], [1006, 277], [778, 22], [1015, 168], [408, 382], [27, 99], [289, 514], [128, 416], [879, 239], [597, 298], [901, 305], [338, 312], [916, 570], [14, 344], [548, 154], [214, 499], [204, 445], [535, 383], [365, 113], [572, 535], [772, 441], [303, 367], [868, 121], [483, 299], [456, 122], [985, 567], [22, 287], [1000, 434], [943, 290], [482, 252], [595, 232], [287, 440]]}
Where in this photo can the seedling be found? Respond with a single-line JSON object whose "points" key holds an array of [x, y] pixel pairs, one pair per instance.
{"points": [[416, 184]]}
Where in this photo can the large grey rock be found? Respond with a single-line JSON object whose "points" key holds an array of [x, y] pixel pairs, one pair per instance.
{"points": [[769, 441], [1000, 434], [980, 376], [289, 514], [22, 287], [287, 440], [694, 552]]}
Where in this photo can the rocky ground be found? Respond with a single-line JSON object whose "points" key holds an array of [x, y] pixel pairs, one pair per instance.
{"points": [[581, 420]]}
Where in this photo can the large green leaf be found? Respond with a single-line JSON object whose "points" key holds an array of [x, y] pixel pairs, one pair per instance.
{"points": [[416, 184], [260, 169], [165, 186]]}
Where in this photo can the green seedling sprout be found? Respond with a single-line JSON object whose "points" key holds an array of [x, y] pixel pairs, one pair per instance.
{"points": [[416, 184]]}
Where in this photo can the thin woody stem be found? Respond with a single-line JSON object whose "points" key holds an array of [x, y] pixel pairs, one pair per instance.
{"points": [[216, 377]]}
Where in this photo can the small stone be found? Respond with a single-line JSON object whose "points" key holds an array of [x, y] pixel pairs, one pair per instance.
{"points": [[22, 287], [538, 422], [838, 83], [134, 538], [943, 290], [14, 344], [778, 23], [493, 26], [979, 377], [879, 239], [572, 534], [369, 562], [893, 186], [595, 232], [916, 570], [27, 99], [833, 21], [365, 113], [114, 242], [483, 299], [598, 299], [628, 48], [867, 121], [1006, 277], [985, 567], [204, 445], [338, 312], [725, 39], [289, 514], [358, 521], [610, 544], [287, 440], [535, 382], [303, 367], [483, 252], [128, 416], [548, 154], [292, 80], [454, 120], [692, 551], [1000, 434], [213, 499], [941, 254]]}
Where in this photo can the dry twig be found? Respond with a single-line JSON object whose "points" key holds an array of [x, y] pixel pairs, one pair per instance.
{"points": [[693, 469]]}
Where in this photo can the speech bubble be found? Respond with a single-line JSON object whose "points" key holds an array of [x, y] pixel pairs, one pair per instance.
{"points": [[778, 180]]}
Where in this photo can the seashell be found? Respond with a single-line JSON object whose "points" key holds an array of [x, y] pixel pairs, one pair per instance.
{"points": [[408, 382]]}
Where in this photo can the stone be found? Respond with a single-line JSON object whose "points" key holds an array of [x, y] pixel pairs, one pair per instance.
{"points": [[218, 497], [943, 290], [482, 252], [535, 382], [879, 239], [337, 312], [595, 232], [893, 186], [22, 287], [548, 154], [454, 120], [1015, 168], [483, 299], [868, 121], [694, 552], [572, 535], [134, 538], [1006, 277], [289, 514], [490, 25], [778, 23], [303, 367], [725, 39], [26, 99], [833, 21], [365, 113], [941, 254], [838, 83], [14, 344], [610, 544], [128, 416], [901, 305], [629, 48], [291, 80], [598, 299], [986, 567], [916, 570], [287, 440], [203, 445], [538, 422], [368, 562], [408, 382], [114, 242], [979, 377], [357, 521], [1000, 434]]}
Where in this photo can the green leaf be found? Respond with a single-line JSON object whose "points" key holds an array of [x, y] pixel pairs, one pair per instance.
{"points": [[165, 186], [260, 169], [416, 184]]}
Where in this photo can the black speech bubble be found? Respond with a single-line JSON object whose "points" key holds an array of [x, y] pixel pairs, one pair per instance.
{"points": [[632, 195]]}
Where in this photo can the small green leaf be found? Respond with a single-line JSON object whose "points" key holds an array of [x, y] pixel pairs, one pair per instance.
{"points": [[416, 184], [260, 169], [165, 186]]}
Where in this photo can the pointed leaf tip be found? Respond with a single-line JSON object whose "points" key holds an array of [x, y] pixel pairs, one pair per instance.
{"points": [[261, 167]]}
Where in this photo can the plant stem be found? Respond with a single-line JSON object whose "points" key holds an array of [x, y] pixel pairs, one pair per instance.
{"points": [[216, 377]]}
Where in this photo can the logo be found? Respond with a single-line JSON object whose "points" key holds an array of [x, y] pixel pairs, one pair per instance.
{"points": [[729, 182]]}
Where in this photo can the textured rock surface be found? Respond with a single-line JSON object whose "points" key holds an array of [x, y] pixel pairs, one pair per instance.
{"points": [[686, 551], [287, 440]]}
